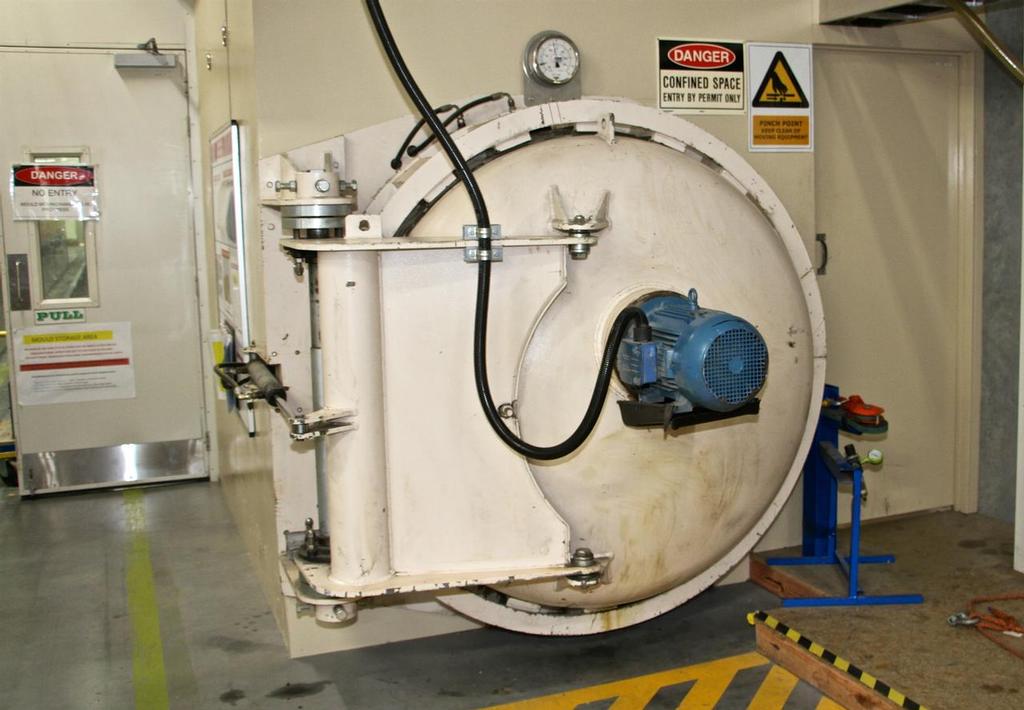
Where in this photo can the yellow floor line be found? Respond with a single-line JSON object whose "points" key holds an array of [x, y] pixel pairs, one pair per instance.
{"points": [[148, 674], [775, 690], [829, 704]]}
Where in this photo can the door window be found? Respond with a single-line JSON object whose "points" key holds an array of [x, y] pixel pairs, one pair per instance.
{"points": [[63, 262], [65, 248]]}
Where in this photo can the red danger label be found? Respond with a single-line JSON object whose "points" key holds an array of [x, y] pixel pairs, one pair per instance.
{"points": [[701, 56], [52, 175]]}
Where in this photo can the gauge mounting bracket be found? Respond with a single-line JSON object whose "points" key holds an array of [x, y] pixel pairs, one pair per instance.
{"points": [[539, 86]]}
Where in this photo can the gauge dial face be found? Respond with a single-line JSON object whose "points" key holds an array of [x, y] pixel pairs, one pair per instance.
{"points": [[554, 59]]}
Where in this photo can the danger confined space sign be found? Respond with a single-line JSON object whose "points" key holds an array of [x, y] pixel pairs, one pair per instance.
{"points": [[700, 76]]}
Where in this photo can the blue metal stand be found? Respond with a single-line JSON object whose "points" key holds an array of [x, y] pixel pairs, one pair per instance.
{"points": [[824, 470]]}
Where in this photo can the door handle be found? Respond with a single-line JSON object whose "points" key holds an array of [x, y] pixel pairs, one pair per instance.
{"points": [[822, 239], [19, 295]]}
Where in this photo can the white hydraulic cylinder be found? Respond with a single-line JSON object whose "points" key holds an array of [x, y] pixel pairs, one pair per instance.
{"points": [[349, 285]]}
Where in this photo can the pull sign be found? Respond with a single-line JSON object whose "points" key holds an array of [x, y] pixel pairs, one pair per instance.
{"points": [[63, 315], [54, 192]]}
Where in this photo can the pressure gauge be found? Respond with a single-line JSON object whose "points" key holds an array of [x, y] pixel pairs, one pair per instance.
{"points": [[552, 58], [551, 66]]}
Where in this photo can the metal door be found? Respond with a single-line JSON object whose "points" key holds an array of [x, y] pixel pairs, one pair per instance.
{"points": [[890, 162], [103, 315]]}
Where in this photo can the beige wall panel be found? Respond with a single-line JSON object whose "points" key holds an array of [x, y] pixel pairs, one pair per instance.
{"points": [[99, 23], [302, 99], [246, 478], [241, 79], [887, 197], [322, 73], [214, 111]]}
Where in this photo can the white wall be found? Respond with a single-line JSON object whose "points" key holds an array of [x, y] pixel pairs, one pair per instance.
{"points": [[93, 23]]}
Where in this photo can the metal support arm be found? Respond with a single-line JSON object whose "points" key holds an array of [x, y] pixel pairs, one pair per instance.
{"points": [[253, 381]]}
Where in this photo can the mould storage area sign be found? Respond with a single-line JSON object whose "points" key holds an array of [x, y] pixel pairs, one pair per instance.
{"points": [[54, 192], [74, 363], [781, 97], [700, 76]]}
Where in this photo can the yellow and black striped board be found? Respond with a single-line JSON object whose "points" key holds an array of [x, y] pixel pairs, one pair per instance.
{"points": [[841, 663]]}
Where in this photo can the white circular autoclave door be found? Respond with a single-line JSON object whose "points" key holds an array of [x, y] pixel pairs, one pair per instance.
{"points": [[675, 509]]}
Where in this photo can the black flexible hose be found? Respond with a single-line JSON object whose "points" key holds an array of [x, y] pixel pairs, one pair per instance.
{"points": [[462, 170], [483, 288], [458, 116], [396, 162], [597, 396]]}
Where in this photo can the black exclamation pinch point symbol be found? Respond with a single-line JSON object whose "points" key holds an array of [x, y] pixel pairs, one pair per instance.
{"points": [[775, 91]]}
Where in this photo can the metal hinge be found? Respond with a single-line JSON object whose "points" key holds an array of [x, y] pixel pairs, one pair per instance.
{"points": [[322, 422], [224, 35]]}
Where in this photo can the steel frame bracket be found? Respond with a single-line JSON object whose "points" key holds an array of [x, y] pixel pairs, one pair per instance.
{"points": [[370, 239], [322, 422], [316, 576]]}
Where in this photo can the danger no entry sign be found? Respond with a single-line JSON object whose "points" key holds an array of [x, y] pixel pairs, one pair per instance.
{"points": [[781, 97], [54, 192]]}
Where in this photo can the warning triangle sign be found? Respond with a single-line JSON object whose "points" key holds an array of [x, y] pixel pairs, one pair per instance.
{"points": [[779, 88]]}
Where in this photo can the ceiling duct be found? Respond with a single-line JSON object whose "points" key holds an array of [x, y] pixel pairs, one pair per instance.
{"points": [[868, 13], [865, 13]]}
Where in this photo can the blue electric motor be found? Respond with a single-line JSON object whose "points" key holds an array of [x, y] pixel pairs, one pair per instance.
{"points": [[692, 357]]}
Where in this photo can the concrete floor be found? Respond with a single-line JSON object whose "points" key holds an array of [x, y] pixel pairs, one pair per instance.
{"points": [[70, 626], [949, 558]]}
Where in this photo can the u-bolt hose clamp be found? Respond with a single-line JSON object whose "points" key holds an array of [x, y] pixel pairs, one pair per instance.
{"points": [[472, 234]]}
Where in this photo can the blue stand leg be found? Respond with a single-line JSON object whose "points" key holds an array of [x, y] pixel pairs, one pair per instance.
{"points": [[822, 471], [853, 566], [820, 492]]}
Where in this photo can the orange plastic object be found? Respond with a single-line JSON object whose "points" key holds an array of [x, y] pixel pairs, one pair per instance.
{"points": [[858, 407]]}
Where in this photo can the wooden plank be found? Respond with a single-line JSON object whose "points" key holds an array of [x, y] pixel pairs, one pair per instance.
{"points": [[780, 582], [828, 679]]}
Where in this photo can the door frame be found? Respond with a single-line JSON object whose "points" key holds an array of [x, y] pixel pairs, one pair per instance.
{"points": [[189, 68], [1018, 513], [969, 190]]}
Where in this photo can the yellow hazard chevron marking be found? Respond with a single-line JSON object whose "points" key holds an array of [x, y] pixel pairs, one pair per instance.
{"points": [[712, 680], [775, 689], [841, 663]]}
